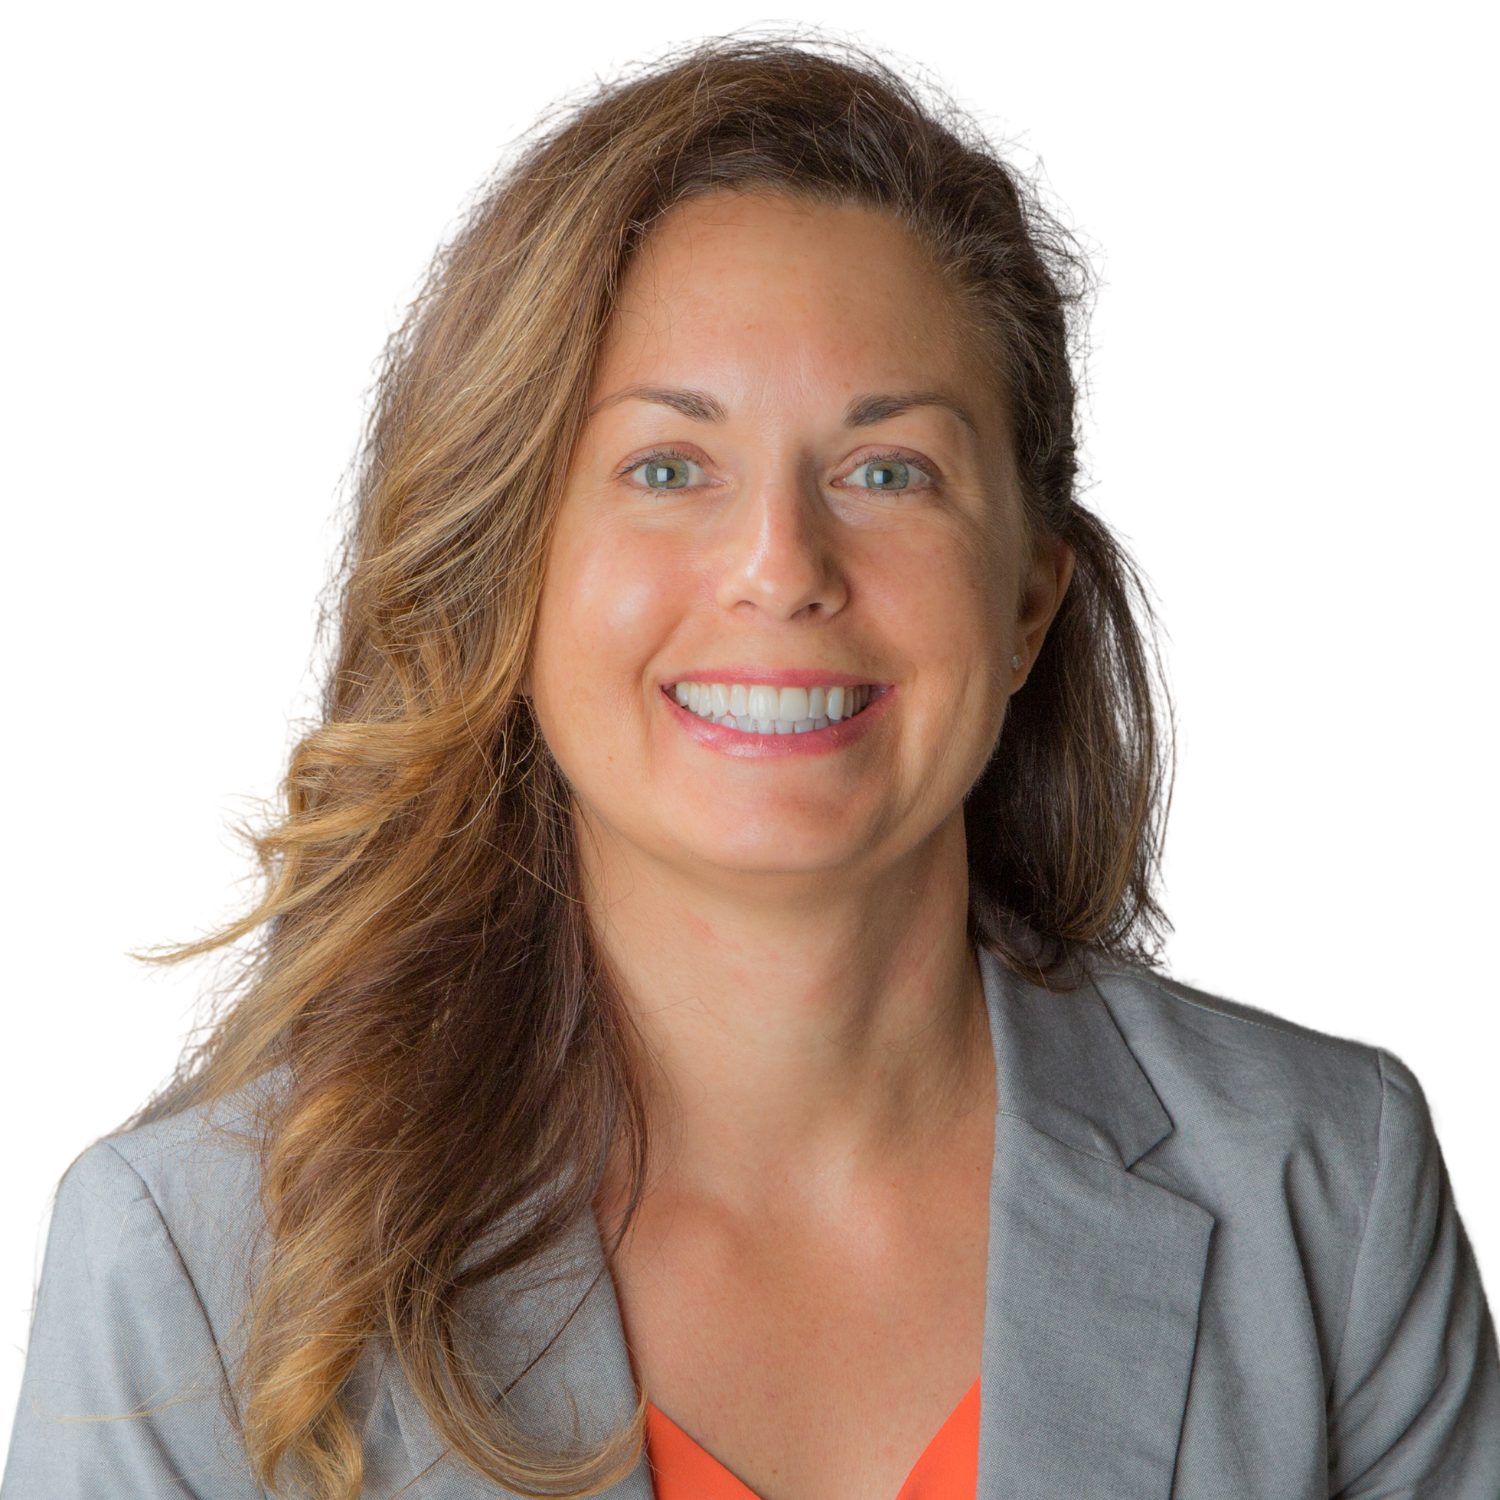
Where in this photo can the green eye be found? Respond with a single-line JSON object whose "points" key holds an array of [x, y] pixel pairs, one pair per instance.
{"points": [[889, 471], [659, 469]]}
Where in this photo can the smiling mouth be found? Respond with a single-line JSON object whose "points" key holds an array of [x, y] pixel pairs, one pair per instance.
{"points": [[757, 710]]}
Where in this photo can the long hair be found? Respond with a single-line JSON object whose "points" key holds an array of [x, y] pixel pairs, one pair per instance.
{"points": [[418, 960]]}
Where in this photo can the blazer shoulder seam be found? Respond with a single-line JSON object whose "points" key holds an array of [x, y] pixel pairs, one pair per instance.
{"points": [[1292, 1028], [1364, 1228], [187, 1274]]}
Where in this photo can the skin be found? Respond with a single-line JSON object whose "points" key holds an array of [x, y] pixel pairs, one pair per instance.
{"points": [[789, 933]]}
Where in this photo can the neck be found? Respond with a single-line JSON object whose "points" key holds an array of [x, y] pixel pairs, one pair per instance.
{"points": [[804, 1045]]}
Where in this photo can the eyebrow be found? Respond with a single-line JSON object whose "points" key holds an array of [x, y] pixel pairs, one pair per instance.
{"points": [[863, 411]]}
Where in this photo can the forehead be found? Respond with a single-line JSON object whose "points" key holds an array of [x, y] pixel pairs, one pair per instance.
{"points": [[767, 282]]}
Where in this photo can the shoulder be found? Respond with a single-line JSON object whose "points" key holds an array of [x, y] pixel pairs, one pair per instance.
{"points": [[1249, 1060], [1315, 1152], [209, 1148], [186, 1188], [1282, 1131], [1338, 1259], [1258, 1099], [138, 1312]]}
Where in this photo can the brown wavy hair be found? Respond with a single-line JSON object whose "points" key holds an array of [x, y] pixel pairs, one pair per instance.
{"points": [[420, 960]]}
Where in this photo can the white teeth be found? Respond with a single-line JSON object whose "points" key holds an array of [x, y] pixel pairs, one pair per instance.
{"points": [[762, 709], [765, 701]]}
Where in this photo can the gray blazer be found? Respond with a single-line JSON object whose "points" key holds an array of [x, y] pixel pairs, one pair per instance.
{"points": [[1225, 1263]]}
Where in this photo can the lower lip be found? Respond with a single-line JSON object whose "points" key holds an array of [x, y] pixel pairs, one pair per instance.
{"points": [[751, 746]]}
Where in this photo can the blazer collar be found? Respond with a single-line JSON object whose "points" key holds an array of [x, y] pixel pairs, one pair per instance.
{"points": [[1092, 1288]]}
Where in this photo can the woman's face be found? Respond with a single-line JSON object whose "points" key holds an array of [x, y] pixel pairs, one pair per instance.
{"points": [[765, 517]]}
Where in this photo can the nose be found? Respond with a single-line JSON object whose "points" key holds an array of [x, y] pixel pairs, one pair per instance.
{"points": [[778, 550]]}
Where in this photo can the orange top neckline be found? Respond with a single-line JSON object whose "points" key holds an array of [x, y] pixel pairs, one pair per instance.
{"points": [[947, 1468]]}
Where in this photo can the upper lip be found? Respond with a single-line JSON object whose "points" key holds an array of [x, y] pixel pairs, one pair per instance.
{"points": [[805, 677]]}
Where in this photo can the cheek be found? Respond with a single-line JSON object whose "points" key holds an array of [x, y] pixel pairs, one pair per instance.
{"points": [[607, 607], [611, 602], [950, 601], [948, 598]]}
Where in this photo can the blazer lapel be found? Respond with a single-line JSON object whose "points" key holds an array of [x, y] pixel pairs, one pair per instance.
{"points": [[579, 1391], [1092, 1289], [1094, 1273]]}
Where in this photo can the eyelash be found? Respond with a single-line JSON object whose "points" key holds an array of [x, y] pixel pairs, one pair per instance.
{"points": [[869, 458]]}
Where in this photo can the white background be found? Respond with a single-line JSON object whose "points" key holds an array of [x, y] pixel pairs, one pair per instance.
{"points": [[218, 214]]}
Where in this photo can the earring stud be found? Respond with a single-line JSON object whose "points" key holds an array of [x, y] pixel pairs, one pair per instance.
{"points": [[1015, 663]]}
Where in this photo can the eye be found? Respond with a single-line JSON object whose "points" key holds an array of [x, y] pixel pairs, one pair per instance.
{"points": [[659, 467], [665, 470], [892, 472]]}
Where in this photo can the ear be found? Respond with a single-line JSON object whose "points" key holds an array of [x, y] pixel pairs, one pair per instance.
{"points": [[1043, 584]]}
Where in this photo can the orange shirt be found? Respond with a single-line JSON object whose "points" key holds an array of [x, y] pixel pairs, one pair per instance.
{"points": [[947, 1470]]}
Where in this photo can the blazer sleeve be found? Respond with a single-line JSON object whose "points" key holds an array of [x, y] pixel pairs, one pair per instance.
{"points": [[123, 1385], [1414, 1404]]}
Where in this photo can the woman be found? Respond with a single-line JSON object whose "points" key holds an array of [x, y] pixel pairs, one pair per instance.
{"points": [[706, 1037]]}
